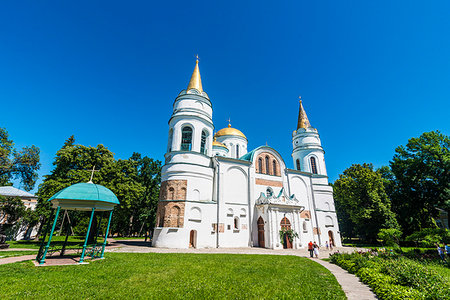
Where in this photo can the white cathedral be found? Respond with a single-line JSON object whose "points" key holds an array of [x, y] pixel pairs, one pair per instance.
{"points": [[216, 193]]}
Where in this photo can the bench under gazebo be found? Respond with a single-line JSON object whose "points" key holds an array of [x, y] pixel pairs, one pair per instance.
{"points": [[80, 197]]}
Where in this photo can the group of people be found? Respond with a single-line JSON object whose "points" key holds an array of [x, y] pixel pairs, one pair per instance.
{"points": [[443, 251], [313, 248]]}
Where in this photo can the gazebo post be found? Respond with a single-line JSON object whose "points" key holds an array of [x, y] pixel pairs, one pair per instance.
{"points": [[106, 233], [51, 235], [87, 236]]}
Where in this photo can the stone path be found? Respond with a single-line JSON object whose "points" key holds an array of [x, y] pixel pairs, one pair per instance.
{"points": [[9, 260]]}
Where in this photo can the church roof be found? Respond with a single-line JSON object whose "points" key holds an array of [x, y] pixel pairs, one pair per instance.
{"points": [[249, 155], [303, 121], [196, 80], [218, 144], [11, 191], [86, 192]]}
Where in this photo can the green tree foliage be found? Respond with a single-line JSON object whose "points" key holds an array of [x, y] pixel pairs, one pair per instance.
{"points": [[360, 195], [390, 236], [427, 237], [135, 181], [422, 180], [18, 164]]}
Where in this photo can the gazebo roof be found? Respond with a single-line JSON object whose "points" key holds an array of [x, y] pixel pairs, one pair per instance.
{"points": [[86, 195]]}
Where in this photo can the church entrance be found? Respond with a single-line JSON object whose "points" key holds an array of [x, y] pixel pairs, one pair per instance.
{"points": [[331, 237], [193, 239], [261, 242], [286, 225]]}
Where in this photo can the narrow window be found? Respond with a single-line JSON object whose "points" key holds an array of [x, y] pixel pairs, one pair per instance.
{"points": [[298, 164], [203, 143], [313, 165], [171, 194], [237, 151], [186, 139], [267, 166], [274, 165], [236, 223], [169, 144], [260, 165]]}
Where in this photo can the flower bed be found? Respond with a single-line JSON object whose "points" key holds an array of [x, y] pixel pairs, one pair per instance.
{"points": [[394, 277]]}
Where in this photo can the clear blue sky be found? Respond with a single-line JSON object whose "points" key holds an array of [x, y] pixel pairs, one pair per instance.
{"points": [[371, 73]]}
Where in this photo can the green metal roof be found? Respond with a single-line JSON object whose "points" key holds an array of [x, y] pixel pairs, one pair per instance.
{"points": [[87, 192]]}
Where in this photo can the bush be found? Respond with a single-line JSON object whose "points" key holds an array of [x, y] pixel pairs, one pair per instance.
{"points": [[394, 277], [428, 237]]}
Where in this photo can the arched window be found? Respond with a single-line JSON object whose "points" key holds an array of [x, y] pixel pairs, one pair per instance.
{"points": [[269, 192], [313, 165], [267, 166], [237, 151], [236, 223], [305, 228], [203, 143], [274, 167], [171, 194], [298, 164], [186, 139], [260, 165], [176, 216]]}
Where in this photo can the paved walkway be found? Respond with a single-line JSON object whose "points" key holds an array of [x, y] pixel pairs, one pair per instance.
{"points": [[352, 287], [10, 260]]}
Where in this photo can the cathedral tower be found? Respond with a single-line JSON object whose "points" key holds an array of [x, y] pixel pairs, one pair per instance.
{"points": [[308, 154], [187, 176]]}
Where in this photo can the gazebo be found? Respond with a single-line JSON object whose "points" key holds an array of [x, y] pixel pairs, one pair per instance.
{"points": [[82, 197]]}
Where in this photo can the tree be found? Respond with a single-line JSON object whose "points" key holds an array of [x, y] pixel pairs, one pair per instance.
{"points": [[360, 194], [18, 164], [422, 180], [135, 182], [390, 236]]}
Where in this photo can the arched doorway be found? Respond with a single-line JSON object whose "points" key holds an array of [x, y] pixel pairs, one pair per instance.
{"points": [[331, 237], [193, 239], [261, 242], [286, 224]]}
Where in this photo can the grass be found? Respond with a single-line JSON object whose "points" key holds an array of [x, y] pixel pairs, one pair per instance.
{"points": [[173, 276], [4, 254], [72, 242]]}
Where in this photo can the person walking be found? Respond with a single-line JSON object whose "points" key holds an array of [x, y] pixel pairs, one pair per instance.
{"points": [[326, 244], [440, 252], [310, 248], [331, 245], [316, 249]]}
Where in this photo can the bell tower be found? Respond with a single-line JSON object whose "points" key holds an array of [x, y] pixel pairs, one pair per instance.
{"points": [[308, 154]]}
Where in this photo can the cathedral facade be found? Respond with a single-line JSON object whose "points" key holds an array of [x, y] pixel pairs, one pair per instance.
{"points": [[217, 193]]}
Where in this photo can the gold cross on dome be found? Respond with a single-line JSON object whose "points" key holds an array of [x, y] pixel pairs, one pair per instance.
{"points": [[229, 122], [197, 57]]}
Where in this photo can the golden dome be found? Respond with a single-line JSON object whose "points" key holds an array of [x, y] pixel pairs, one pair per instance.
{"points": [[218, 144], [230, 131]]}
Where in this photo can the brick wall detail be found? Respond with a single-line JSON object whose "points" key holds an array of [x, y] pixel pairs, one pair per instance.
{"points": [[306, 214], [173, 190], [170, 214], [266, 182]]}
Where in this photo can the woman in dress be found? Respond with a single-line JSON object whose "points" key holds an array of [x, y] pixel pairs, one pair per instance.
{"points": [[316, 249]]}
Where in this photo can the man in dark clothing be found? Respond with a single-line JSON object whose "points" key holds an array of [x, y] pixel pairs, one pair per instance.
{"points": [[311, 249]]}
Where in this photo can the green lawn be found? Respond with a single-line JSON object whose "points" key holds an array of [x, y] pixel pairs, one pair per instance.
{"points": [[169, 276], [72, 242], [4, 254]]}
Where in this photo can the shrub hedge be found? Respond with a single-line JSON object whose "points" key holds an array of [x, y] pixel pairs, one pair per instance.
{"points": [[394, 277]]}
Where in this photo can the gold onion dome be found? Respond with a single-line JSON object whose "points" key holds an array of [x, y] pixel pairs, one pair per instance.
{"points": [[218, 144], [196, 80], [230, 131]]}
